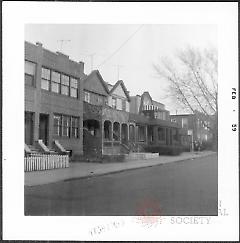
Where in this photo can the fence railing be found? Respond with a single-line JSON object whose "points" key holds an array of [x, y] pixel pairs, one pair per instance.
{"points": [[45, 162]]}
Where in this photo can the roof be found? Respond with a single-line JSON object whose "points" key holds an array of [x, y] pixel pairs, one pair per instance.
{"points": [[120, 82], [96, 72], [141, 119]]}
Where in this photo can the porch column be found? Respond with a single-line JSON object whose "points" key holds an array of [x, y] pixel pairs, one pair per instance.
{"points": [[111, 134], [136, 133], [171, 136], [155, 134], [120, 132], [102, 133], [165, 134], [146, 134]]}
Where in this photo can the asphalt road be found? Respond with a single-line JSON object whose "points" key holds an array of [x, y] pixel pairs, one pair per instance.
{"points": [[183, 188]]}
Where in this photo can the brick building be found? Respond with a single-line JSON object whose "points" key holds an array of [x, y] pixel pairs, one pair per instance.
{"points": [[53, 98], [195, 125]]}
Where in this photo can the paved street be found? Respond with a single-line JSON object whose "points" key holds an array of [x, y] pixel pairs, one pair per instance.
{"points": [[183, 188]]}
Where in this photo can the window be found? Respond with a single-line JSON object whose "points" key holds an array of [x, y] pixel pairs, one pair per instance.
{"points": [[114, 103], [30, 69], [184, 122], [99, 100], [64, 84], [74, 88], [45, 81], [57, 125], [87, 96], [55, 84], [124, 105], [161, 134], [59, 83], [66, 126], [75, 122]]}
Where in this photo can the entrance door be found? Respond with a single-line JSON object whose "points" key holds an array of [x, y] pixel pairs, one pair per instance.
{"points": [[43, 128], [29, 128]]}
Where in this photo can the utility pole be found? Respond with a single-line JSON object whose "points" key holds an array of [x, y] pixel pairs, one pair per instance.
{"points": [[61, 43]]}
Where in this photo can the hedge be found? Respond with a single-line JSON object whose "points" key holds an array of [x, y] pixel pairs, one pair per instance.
{"points": [[164, 149]]}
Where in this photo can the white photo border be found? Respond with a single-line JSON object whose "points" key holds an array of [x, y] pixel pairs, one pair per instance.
{"points": [[16, 226]]}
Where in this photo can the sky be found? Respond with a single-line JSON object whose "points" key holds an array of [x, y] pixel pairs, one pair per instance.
{"points": [[124, 51]]}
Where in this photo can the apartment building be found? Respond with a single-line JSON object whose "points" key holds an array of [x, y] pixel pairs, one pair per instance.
{"points": [[53, 99]]}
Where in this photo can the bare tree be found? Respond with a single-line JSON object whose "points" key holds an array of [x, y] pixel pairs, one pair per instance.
{"points": [[193, 82]]}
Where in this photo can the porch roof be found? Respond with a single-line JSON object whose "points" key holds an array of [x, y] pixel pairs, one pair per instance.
{"points": [[141, 119]]}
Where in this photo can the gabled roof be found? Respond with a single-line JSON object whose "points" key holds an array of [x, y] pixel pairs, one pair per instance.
{"points": [[120, 82], [146, 93], [96, 72]]}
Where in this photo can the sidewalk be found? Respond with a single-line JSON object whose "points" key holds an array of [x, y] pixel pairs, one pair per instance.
{"points": [[82, 170]]}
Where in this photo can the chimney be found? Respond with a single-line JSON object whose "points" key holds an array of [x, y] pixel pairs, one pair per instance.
{"points": [[39, 44]]}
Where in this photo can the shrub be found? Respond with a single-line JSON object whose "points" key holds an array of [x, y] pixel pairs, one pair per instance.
{"points": [[164, 149], [206, 145]]}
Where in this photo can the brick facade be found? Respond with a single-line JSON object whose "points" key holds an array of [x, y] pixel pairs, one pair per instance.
{"points": [[44, 104]]}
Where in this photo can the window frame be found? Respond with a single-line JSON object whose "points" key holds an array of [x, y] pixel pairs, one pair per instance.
{"points": [[33, 76], [67, 126], [114, 106], [87, 94], [65, 85], [59, 126], [75, 128], [46, 80], [73, 88], [54, 82]]}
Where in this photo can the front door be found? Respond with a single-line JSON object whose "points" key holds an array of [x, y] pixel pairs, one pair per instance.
{"points": [[29, 128], [43, 128]]}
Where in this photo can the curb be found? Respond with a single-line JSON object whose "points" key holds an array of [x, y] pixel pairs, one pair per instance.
{"points": [[133, 168], [119, 171]]}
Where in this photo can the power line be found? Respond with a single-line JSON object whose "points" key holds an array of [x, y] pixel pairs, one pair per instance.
{"points": [[124, 43]]}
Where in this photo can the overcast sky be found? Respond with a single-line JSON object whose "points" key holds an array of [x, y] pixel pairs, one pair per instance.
{"points": [[142, 45]]}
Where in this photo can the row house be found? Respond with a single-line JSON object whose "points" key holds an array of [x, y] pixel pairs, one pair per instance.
{"points": [[53, 100], [116, 123], [106, 116], [86, 115], [152, 122]]}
